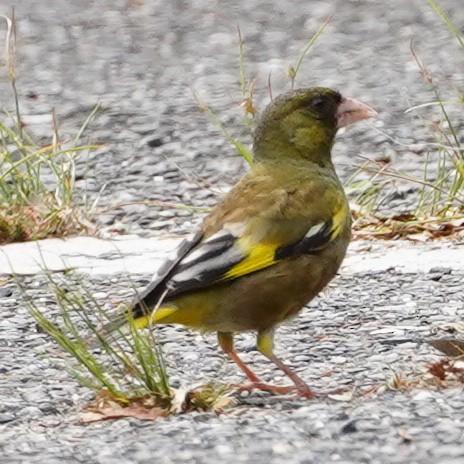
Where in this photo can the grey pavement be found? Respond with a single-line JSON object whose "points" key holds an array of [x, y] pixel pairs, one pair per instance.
{"points": [[143, 59]]}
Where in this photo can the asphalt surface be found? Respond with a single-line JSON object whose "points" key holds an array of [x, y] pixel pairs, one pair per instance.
{"points": [[142, 60]]}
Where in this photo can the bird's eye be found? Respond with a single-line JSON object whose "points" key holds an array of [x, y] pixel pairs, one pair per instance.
{"points": [[322, 106], [319, 104]]}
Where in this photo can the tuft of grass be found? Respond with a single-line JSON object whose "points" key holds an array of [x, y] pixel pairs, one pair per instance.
{"points": [[38, 194], [426, 220], [448, 179], [127, 365], [125, 369], [439, 210]]}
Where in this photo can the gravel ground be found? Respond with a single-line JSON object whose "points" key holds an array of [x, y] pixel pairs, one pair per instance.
{"points": [[142, 59], [347, 338]]}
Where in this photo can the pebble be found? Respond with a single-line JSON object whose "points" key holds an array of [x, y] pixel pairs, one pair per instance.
{"points": [[5, 292], [5, 418]]}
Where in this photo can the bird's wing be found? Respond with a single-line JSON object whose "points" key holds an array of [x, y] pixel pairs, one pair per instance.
{"points": [[156, 290], [228, 255], [241, 237]]}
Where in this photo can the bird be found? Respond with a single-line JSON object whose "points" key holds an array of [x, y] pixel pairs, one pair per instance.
{"points": [[271, 244]]}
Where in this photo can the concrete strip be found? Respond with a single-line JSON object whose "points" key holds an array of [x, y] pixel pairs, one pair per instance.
{"points": [[403, 256], [90, 255], [135, 255]]}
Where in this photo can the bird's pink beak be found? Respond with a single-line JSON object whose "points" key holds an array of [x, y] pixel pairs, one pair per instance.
{"points": [[351, 110]]}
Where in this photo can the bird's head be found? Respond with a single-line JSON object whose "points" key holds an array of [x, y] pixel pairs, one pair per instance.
{"points": [[303, 123]]}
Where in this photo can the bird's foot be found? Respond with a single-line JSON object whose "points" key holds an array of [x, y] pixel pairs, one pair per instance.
{"points": [[276, 389], [302, 392]]}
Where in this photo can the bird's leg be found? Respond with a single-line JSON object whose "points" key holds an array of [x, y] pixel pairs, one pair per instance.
{"points": [[266, 347], [226, 342]]}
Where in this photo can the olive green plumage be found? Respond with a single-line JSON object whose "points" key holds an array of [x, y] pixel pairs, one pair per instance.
{"points": [[273, 243]]}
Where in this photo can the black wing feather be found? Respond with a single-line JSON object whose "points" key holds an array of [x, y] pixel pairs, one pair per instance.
{"points": [[309, 244], [153, 294]]}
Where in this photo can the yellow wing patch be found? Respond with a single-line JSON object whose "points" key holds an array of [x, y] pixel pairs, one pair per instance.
{"points": [[259, 256], [339, 220], [262, 255]]}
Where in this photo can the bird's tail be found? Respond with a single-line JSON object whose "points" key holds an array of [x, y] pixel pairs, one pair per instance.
{"points": [[136, 316]]}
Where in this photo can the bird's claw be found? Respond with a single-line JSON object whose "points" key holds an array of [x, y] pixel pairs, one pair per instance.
{"points": [[301, 392]]}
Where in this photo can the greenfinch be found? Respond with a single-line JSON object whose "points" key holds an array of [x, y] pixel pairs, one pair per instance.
{"points": [[275, 240]]}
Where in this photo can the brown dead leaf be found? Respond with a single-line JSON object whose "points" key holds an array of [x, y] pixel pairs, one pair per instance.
{"points": [[106, 406], [403, 217], [450, 346], [117, 412], [407, 226], [448, 370], [247, 105], [438, 369]]}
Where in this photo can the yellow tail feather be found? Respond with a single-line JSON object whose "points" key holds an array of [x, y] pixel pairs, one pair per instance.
{"points": [[158, 316]]}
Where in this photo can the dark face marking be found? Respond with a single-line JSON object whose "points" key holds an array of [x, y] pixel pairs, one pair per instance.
{"points": [[322, 106]]}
